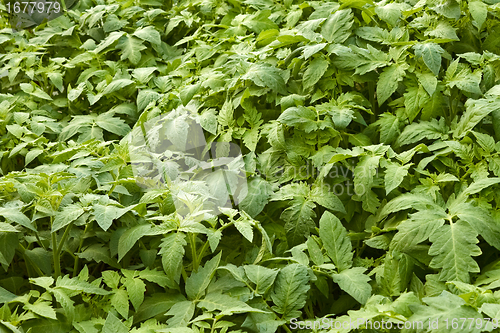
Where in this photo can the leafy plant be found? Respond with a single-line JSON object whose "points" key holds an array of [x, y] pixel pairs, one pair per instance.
{"points": [[369, 135]]}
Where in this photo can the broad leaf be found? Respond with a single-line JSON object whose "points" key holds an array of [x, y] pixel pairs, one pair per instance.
{"points": [[354, 282], [453, 246], [290, 290], [336, 241]]}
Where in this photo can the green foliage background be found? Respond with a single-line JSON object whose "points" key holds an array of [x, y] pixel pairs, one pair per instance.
{"points": [[404, 95]]}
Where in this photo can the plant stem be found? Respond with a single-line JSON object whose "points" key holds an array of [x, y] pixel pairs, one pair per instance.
{"points": [[202, 251], [286, 328], [192, 238], [64, 237], [75, 266], [114, 182], [57, 264], [184, 274], [26, 259], [212, 329]]}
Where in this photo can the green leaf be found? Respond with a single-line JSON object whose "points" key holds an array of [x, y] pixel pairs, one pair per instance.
{"points": [[394, 175], [143, 75], [68, 214], [226, 304], [461, 76], [389, 125], [415, 99], [158, 303], [322, 196], [114, 325], [367, 60], [57, 80], [262, 322], [6, 296], [245, 227], [238, 272], [9, 242], [41, 94], [44, 281], [336, 241], [172, 252], [301, 117], [136, 289], [315, 252], [149, 34], [364, 173], [480, 185], [416, 132], [43, 309], [32, 154], [131, 48], [6, 227], [208, 120], [198, 282], [476, 110], [391, 12], [66, 302], [16, 216], [453, 246], [374, 34], [388, 81], [444, 31], [315, 71], [119, 300], [116, 85], [262, 277], [145, 97], [418, 228], [406, 201], [154, 276], [480, 220], [182, 313], [290, 291], [486, 141], [491, 310], [442, 310], [354, 282], [78, 285], [428, 81], [188, 93], [177, 131], [112, 37], [310, 50], [337, 28], [479, 12], [104, 215], [130, 237], [266, 76], [256, 197], [431, 53], [259, 21], [299, 220], [98, 253]]}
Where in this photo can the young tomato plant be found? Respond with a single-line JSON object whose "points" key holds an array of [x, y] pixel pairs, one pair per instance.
{"points": [[251, 166]]}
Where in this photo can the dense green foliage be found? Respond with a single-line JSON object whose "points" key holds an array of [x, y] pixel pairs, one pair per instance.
{"points": [[370, 134]]}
